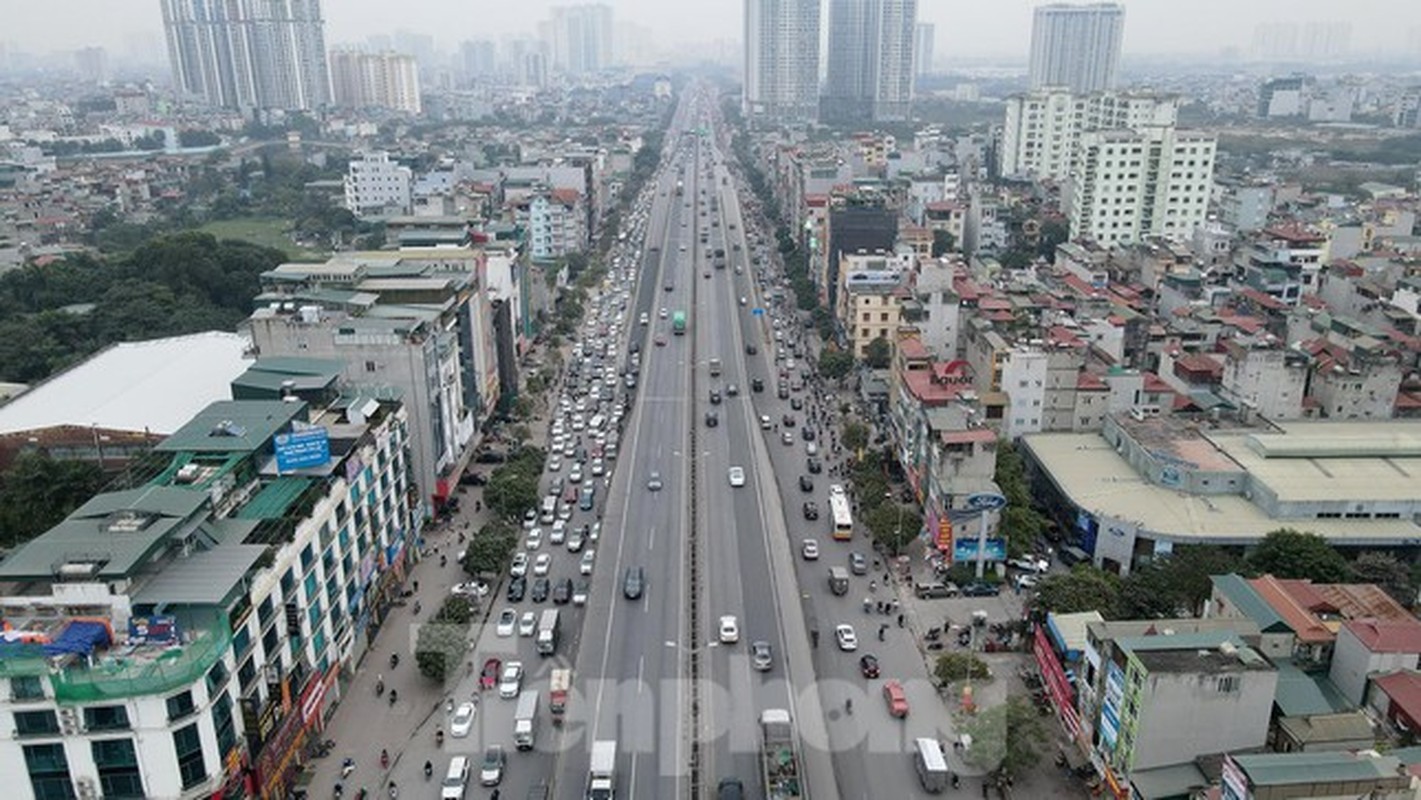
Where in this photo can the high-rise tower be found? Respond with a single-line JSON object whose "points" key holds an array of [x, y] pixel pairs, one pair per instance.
{"points": [[781, 61], [1076, 46]]}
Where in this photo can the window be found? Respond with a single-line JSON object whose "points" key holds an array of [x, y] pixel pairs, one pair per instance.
{"points": [[223, 723], [106, 718], [26, 687], [217, 678], [49, 771], [1228, 683], [36, 723], [118, 768], [180, 705], [187, 745]]}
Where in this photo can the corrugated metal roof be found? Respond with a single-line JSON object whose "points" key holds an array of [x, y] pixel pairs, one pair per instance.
{"points": [[1286, 769]]}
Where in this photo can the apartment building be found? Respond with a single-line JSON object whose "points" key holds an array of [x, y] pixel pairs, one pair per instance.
{"points": [[1041, 134], [1134, 184], [378, 186], [375, 80]]}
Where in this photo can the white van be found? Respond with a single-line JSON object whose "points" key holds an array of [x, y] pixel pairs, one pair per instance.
{"points": [[931, 764], [456, 779], [550, 509]]}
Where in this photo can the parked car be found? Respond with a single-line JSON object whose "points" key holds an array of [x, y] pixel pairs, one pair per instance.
{"points": [[981, 589]]}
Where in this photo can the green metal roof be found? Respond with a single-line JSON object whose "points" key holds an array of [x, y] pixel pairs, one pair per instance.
{"points": [[1242, 594], [242, 426], [274, 498], [1288, 769], [1301, 694], [268, 376], [114, 532]]}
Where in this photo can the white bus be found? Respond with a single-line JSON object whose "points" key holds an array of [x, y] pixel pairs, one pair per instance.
{"points": [[839, 511]]}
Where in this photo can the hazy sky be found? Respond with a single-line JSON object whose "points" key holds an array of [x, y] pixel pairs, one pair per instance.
{"points": [[964, 27]]}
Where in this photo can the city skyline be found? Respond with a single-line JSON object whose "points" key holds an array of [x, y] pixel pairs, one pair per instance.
{"points": [[962, 30]]}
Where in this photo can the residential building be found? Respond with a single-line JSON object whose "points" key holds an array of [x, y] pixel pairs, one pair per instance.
{"points": [[185, 634], [1284, 261], [248, 55], [1407, 111], [1043, 128], [1268, 378], [781, 61], [375, 80], [924, 42], [872, 290], [1357, 380], [934, 311], [1316, 776], [556, 222], [378, 186], [1368, 648], [1244, 205], [416, 321], [870, 65], [579, 38], [1135, 184], [856, 227], [1283, 97], [1077, 46]]}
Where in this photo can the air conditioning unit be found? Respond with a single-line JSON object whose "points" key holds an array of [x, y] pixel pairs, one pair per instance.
{"points": [[86, 788], [69, 721]]}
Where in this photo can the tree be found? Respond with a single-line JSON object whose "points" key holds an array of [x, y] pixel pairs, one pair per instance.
{"points": [[1388, 572], [893, 525], [1191, 568], [1084, 588], [1149, 592], [1008, 738], [490, 548], [878, 353], [943, 243], [953, 667], [855, 435], [1287, 553], [442, 641], [835, 364], [37, 492]]}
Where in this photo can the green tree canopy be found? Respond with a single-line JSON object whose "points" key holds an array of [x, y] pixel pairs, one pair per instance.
{"points": [[835, 364], [1084, 588], [1009, 738], [1287, 553], [893, 525], [953, 667], [855, 435], [943, 242], [37, 492], [489, 549], [878, 354]]}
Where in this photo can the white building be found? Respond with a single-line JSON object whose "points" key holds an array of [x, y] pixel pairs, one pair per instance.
{"points": [[1023, 370], [1077, 46], [579, 38], [1041, 135], [376, 186], [781, 61], [925, 35], [375, 80], [1130, 185], [1269, 380]]}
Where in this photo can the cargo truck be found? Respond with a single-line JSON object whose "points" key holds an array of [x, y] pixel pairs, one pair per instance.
{"points": [[602, 773], [558, 685], [525, 719], [779, 756], [548, 629]]}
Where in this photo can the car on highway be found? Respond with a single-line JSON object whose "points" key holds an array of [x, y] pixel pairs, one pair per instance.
{"points": [[765, 422], [530, 519], [730, 789], [541, 588], [761, 656], [868, 665], [737, 477], [577, 539], [510, 681], [731, 390], [847, 640], [756, 384], [558, 533], [806, 483], [712, 420], [662, 313], [562, 592], [542, 564], [895, 698], [811, 510], [729, 629], [634, 583], [814, 465], [528, 623], [787, 420], [580, 592], [807, 434], [463, 720], [535, 539], [516, 589], [488, 677], [653, 482], [575, 474], [786, 437], [810, 549], [507, 620], [491, 770], [715, 396], [660, 340], [981, 589], [585, 501], [750, 350], [584, 567]]}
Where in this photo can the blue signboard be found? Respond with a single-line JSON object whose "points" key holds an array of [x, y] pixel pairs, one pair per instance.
{"points": [[155, 629], [759, 312], [301, 449], [964, 548], [985, 501]]}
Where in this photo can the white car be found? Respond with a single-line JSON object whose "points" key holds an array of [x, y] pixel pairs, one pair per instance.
{"points": [[575, 474], [463, 720], [847, 639], [729, 630], [507, 619], [530, 519], [520, 565], [555, 462], [528, 623], [542, 564], [597, 468], [558, 534], [535, 538], [653, 483], [810, 549], [511, 682], [737, 477], [1030, 563], [579, 593], [469, 589], [588, 558]]}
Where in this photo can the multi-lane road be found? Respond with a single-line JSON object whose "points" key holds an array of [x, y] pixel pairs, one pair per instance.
{"points": [[704, 546]]}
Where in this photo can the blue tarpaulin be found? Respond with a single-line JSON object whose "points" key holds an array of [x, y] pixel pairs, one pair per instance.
{"points": [[80, 638]]}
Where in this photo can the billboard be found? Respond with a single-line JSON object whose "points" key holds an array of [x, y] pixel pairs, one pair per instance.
{"points": [[300, 449], [944, 535], [964, 548], [154, 629]]}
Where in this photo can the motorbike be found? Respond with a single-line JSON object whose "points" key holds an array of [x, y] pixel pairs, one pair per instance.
{"points": [[384, 759], [428, 770], [394, 697], [379, 688], [439, 738], [394, 660], [346, 767]]}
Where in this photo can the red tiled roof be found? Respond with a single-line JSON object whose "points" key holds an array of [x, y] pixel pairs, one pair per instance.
{"points": [[912, 347], [1404, 689], [566, 196], [1090, 382], [1080, 286], [1198, 362], [966, 437], [995, 304], [1154, 384], [1266, 300], [1387, 636], [1304, 623], [920, 385], [1294, 234]]}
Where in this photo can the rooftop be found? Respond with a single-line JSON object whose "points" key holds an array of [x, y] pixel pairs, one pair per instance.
{"points": [[152, 386], [1387, 636], [234, 426], [1312, 768], [1191, 653]]}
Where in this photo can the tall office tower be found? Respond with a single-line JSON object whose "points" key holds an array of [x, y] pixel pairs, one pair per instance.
{"points": [[375, 80], [923, 49], [578, 39], [92, 64], [248, 53], [479, 59], [781, 61], [1077, 46], [870, 71]]}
